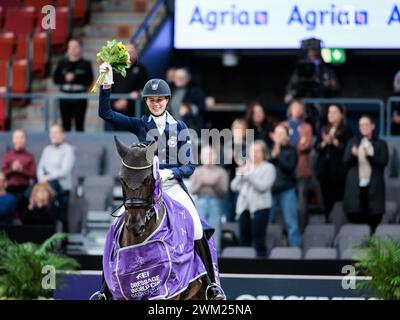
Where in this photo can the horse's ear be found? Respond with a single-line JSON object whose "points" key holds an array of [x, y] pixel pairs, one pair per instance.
{"points": [[121, 148], [151, 151]]}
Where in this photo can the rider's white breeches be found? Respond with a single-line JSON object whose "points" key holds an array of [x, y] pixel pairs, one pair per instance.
{"points": [[174, 190]]}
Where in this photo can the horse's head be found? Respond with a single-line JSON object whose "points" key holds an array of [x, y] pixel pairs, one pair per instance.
{"points": [[138, 182]]}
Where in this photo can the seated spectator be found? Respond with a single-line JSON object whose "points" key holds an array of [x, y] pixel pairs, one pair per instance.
{"points": [[210, 184], [284, 157], [330, 147], [257, 120], [396, 105], [365, 159], [136, 78], [253, 181], [187, 100], [19, 166], [301, 135], [8, 203], [42, 208], [55, 165], [233, 155]]}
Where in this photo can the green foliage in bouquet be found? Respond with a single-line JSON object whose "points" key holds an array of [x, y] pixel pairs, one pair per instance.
{"points": [[117, 56], [21, 267], [380, 260]]}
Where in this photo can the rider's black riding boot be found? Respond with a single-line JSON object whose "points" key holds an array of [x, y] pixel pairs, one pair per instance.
{"points": [[213, 291]]}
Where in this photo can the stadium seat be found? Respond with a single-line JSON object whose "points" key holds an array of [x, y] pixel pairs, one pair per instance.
{"points": [[60, 35], [392, 189], [23, 47], [40, 53], [89, 157], [274, 235], [13, 19], [231, 226], [1, 17], [388, 230], [318, 235], [20, 76], [337, 216], [3, 109], [239, 252], [79, 9], [321, 253], [77, 211], [38, 4], [10, 3], [391, 213], [4, 73], [7, 43], [98, 191], [350, 254], [285, 253], [351, 235]]}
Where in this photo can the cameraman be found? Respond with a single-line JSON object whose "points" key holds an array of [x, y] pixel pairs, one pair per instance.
{"points": [[312, 78]]}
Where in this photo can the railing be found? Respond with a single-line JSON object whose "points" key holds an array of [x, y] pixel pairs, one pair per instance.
{"points": [[349, 102], [389, 103], [54, 100], [51, 103], [28, 96]]}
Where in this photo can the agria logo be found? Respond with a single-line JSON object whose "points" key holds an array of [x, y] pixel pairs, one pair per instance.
{"points": [[213, 19]]}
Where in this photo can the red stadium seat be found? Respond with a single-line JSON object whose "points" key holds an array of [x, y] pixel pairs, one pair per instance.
{"points": [[10, 3], [23, 44], [20, 76], [20, 80], [40, 54], [1, 17], [79, 9], [60, 35], [15, 17], [4, 76], [7, 42], [38, 5], [4, 73], [3, 110]]}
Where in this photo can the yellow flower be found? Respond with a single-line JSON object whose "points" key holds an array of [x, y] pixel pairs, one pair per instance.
{"points": [[121, 47]]}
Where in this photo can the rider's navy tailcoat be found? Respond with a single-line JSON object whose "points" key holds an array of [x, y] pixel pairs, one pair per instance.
{"points": [[175, 136]]}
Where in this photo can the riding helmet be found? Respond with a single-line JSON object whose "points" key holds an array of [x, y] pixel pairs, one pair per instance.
{"points": [[156, 88]]}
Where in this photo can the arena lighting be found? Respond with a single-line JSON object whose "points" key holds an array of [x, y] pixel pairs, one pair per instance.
{"points": [[230, 59]]}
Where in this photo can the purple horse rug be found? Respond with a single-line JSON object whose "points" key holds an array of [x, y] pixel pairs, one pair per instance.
{"points": [[162, 266]]}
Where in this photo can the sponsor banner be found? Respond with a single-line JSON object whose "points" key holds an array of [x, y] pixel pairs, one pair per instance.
{"points": [[267, 24], [245, 287]]}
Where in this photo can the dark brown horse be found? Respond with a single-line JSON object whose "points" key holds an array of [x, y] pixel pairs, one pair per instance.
{"points": [[140, 217]]}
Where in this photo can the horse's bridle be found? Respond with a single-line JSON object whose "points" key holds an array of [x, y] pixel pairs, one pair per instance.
{"points": [[141, 203]]}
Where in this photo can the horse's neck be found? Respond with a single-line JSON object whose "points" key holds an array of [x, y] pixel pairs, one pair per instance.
{"points": [[129, 239]]}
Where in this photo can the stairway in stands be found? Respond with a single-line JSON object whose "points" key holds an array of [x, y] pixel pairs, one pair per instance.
{"points": [[110, 19]]}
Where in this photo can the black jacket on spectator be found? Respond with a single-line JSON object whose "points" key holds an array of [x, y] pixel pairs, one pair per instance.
{"points": [[285, 164], [376, 188], [330, 170], [136, 78], [83, 75], [195, 99], [46, 215], [262, 133]]}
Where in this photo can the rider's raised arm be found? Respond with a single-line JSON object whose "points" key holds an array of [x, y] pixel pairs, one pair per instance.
{"points": [[119, 120]]}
